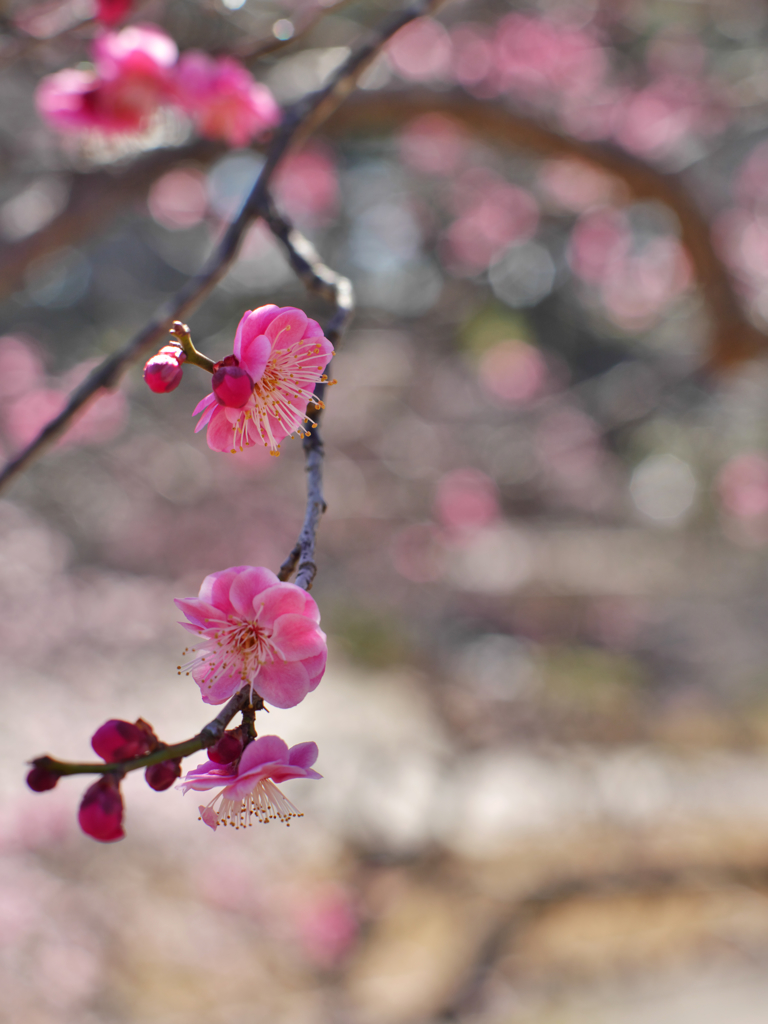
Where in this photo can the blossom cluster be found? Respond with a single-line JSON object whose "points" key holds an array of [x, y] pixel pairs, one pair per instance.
{"points": [[256, 635], [138, 71]]}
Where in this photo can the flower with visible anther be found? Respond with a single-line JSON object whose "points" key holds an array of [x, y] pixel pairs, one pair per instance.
{"points": [[254, 630], [261, 393], [249, 791]]}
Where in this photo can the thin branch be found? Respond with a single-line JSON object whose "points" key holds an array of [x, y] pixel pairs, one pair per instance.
{"points": [[299, 121], [207, 736], [250, 52], [734, 337]]}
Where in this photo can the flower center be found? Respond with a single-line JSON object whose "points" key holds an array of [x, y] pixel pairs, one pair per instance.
{"points": [[239, 648], [264, 803]]}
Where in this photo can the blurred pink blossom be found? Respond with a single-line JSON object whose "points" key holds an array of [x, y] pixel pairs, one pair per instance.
{"points": [[254, 630], [743, 486], [599, 239], [421, 51], [433, 144], [132, 78], [178, 200], [223, 99], [21, 368], [472, 54], [249, 789], [513, 371], [163, 372], [327, 924], [111, 12], [418, 552], [307, 185], [284, 354], [652, 121], [575, 185], [466, 499]]}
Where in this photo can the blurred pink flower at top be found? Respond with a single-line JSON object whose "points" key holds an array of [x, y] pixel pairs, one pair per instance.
{"points": [[598, 240], [254, 630], [513, 371], [653, 121], [433, 144], [281, 354], [111, 12], [179, 199], [327, 925], [637, 289], [21, 369], [472, 54], [743, 486], [421, 51], [466, 499], [307, 185], [223, 99], [131, 80], [541, 60], [248, 788]]}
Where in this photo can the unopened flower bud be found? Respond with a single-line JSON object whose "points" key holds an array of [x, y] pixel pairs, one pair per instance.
{"points": [[231, 385], [228, 748], [162, 776], [101, 810], [40, 779], [163, 372], [120, 741]]}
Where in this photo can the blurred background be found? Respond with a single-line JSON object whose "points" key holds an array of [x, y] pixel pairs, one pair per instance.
{"points": [[543, 568]]}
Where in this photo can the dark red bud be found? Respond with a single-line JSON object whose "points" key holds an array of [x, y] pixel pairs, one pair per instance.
{"points": [[40, 779], [229, 747], [163, 372], [120, 741], [162, 776], [232, 386], [101, 811]]}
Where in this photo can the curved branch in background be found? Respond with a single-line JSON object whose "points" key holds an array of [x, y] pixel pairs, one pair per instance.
{"points": [[734, 337], [299, 121]]}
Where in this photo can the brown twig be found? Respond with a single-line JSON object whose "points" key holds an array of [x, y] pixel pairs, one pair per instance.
{"points": [[207, 736], [250, 52], [299, 121]]}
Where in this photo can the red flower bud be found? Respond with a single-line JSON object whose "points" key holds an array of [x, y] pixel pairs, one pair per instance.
{"points": [[163, 372], [40, 779], [162, 776], [120, 741], [228, 748], [232, 386], [101, 811]]}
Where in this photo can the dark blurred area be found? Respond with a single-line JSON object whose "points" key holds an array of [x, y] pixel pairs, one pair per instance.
{"points": [[542, 570]]}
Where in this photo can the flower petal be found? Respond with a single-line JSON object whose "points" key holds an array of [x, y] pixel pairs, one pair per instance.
{"points": [[220, 689], [303, 755], [214, 590], [199, 612], [285, 599], [205, 419], [205, 403], [256, 352], [262, 751], [284, 684], [296, 637], [221, 433], [315, 668], [247, 586], [287, 328]]}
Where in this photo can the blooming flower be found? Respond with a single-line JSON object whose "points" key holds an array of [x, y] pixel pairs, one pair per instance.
{"points": [[254, 629], [132, 77], [249, 789], [163, 372], [280, 354], [223, 99], [101, 810]]}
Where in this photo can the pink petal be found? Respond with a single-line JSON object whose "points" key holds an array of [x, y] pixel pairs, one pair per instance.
{"points": [[220, 690], [285, 599], [214, 589], [284, 684], [198, 612], [256, 351], [303, 755], [209, 816], [315, 668], [256, 323], [282, 773], [205, 419], [262, 751], [204, 403], [287, 328], [221, 435], [247, 586], [296, 637]]}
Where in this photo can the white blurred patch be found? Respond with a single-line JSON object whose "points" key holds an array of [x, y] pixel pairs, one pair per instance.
{"points": [[663, 488], [523, 276], [33, 208]]}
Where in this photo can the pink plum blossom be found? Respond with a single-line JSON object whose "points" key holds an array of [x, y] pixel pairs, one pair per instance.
{"points": [[132, 77], [254, 630], [280, 354], [163, 372], [249, 789], [223, 99]]}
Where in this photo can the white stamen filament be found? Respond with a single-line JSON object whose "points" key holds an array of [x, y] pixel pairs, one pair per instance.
{"points": [[264, 803]]}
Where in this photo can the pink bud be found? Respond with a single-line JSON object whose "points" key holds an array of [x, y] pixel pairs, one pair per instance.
{"points": [[163, 372], [232, 386], [162, 776], [228, 748], [40, 779], [120, 741], [101, 811]]}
